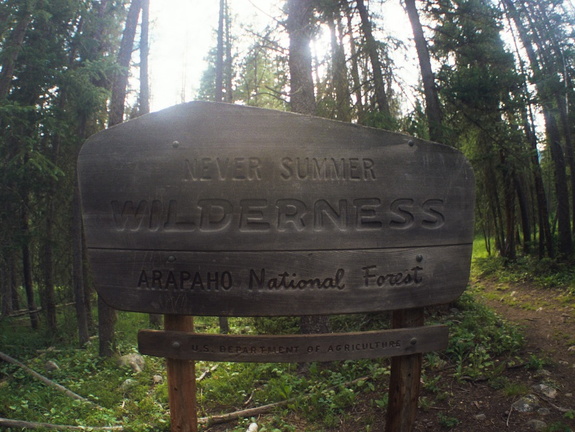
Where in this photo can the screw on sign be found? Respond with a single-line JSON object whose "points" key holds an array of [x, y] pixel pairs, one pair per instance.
{"points": [[224, 210]]}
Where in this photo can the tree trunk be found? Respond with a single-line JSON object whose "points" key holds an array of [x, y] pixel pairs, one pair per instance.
{"points": [[107, 316], [11, 49], [553, 136], [144, 59], [14, 283], [372, 52], [27, 268], [49, 295], [144, 97], [299, 26], [545, 238], [120, 84], [339, 70], [554, 64], [228, 63], [432, 107], [78, 270], [565, 241], [219, 87], [354, 70], [5, 289], [524, 213], [302, 99]]}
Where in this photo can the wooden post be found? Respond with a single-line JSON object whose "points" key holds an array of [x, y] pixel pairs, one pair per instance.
{"points": [[405, 377], [181, 381]]}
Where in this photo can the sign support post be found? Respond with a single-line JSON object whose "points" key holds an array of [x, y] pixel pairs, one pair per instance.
{"points": [[181, 381], [404, 381]]}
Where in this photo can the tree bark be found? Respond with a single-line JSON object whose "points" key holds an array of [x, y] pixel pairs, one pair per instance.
{"points": [[299, 26], [144, 97], [14, 282], [545, 244], [565, 241], [5, 290], [302, 98], [49, 295], [11, 50], [432, 106], [553, 137], [78, 269], [228, 63], [27, 266], [219, 87], [107, 316], [524, 213], [20, 424], [372, 52], [354, 70], [144, 59], [339, 69], [120, 83]]}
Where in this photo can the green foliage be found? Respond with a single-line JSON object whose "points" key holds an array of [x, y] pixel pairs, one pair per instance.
{"points": [[535, 363], [447, 422], [276, 325], [323, 396], [559, 427], [142, 404], [477, 336], [513, 389], [545, 272]]}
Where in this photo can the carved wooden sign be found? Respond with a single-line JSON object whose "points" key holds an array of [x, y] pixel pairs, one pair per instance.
{"points": [[292, 348], [216, 209]]}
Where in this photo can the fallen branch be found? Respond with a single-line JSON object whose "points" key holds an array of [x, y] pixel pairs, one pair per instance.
{"points": [[253, 412], [250, 412], [23, 312], [45, 380], [31, 425], [558, 408], [207, 373]]}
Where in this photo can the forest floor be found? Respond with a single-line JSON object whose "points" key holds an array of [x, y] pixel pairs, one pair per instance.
{"points": [[543, 371], [547, 320]]}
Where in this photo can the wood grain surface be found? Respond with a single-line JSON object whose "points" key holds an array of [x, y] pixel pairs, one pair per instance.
{"points": [[292, 348], [218, 209]]}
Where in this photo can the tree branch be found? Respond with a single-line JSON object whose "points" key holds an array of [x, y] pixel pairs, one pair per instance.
{"points": [[32, 425], [45, 380]]}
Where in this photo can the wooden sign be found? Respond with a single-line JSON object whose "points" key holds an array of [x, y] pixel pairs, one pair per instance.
{"points": [[216, 209], [292, 348]]}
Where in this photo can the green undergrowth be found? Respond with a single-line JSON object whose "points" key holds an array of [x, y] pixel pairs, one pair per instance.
{"points": [[321, 395], [544, 273]]}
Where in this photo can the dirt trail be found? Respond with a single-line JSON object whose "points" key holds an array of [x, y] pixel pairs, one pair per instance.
{"points": [[547, 318], [547, 315]]}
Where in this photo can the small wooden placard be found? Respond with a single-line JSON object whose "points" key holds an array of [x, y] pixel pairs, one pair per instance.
{"points": [[292, 348]]}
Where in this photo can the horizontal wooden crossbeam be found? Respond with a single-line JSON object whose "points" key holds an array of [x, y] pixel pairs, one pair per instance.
{"points": [[292, 348]]}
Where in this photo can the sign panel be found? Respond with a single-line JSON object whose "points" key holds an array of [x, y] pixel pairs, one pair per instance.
{"points": [[216, 209], [293, 348]]}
